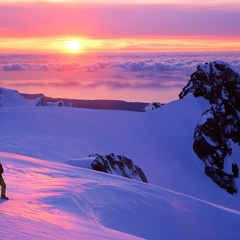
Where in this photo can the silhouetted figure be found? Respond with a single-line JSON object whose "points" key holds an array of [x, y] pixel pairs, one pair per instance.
{"points": [[3, 184]]}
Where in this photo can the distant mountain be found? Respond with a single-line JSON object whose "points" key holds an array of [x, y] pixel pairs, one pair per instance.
{"points": [[93, 104], [12, 98]]}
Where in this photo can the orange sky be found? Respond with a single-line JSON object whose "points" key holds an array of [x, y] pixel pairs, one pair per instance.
{"points": [[125, 26]]}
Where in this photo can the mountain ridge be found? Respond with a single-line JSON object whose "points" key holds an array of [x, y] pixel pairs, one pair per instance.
{"points": [[93, 104]]}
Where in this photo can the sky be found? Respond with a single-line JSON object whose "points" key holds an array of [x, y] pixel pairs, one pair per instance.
{"points": [[129, 26], [78, 32]]}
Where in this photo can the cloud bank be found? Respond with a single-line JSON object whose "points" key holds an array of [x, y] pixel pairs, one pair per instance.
{"points": [[106, 76], [129, 62]]}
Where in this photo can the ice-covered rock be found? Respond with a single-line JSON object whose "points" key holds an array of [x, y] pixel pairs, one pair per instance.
{"points": [[117, 165], [219, 126], [152, 106]]}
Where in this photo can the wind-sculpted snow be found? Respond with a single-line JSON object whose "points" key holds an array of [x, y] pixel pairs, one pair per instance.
{"points": [[58, 201], [50, 198], [219, 126]]}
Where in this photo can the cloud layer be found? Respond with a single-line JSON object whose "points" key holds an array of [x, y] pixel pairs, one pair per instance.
{"points": [[104, 76], [132, 62]]}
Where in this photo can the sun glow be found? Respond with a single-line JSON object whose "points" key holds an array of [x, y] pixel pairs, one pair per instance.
{"points": [[74, 45]]}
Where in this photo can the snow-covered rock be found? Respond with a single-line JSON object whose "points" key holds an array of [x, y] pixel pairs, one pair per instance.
{"points": [[219, 126], [117, 165], [152, 106]]}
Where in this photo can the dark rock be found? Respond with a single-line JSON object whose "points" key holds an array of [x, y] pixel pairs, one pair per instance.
{"points": [[221, 178], [220, 124], [235, 170], [118, 165], [213, 81]]}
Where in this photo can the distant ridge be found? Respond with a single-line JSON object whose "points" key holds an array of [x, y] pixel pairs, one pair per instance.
{"points": [[93, 104]]}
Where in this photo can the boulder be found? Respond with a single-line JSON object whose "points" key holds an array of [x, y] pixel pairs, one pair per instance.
{"points": [[118, 165], [152, 106]]}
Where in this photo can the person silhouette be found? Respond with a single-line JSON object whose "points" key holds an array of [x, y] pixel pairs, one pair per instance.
{"points": [[3, 184]]}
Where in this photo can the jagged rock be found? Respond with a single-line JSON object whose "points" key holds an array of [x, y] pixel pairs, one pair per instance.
{"points": [[118, 165], [152, 106], [219, 83], [235, 170], [221, 178], [214, 81]]}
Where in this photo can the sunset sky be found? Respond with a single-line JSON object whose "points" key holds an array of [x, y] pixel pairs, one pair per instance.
{"points": [[119, 25], [134, 50]]}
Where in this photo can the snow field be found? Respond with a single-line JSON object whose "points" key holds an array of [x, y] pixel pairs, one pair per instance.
{"points": [[54, 195]]}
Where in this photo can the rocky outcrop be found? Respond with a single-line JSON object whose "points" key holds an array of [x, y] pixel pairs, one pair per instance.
{"points": [[117, 165], [152, 106], [219, 126]]}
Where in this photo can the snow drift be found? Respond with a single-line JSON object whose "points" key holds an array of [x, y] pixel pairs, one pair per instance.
{"points": [[54, 195]]}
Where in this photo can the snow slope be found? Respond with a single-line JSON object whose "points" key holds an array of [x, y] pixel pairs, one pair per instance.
{"points": [[11, 98], [52, 196]]}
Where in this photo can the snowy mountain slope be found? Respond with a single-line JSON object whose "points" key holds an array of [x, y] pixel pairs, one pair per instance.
{"points": [[179, 202], [57, 201], [11, 98], [159, 142]]}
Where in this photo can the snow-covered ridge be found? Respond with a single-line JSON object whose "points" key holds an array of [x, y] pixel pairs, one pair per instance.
{"points": [[50, 199], [12, 98]]}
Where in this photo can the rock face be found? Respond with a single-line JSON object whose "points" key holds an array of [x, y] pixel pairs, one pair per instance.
{"points": [[219, 126], [152, 106], [118, 165]]}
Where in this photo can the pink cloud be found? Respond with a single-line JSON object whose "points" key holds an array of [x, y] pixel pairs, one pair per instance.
{"points": [[106, 21]]}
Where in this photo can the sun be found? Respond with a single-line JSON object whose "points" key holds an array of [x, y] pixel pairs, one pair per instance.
{"points": [[74, 45]]}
